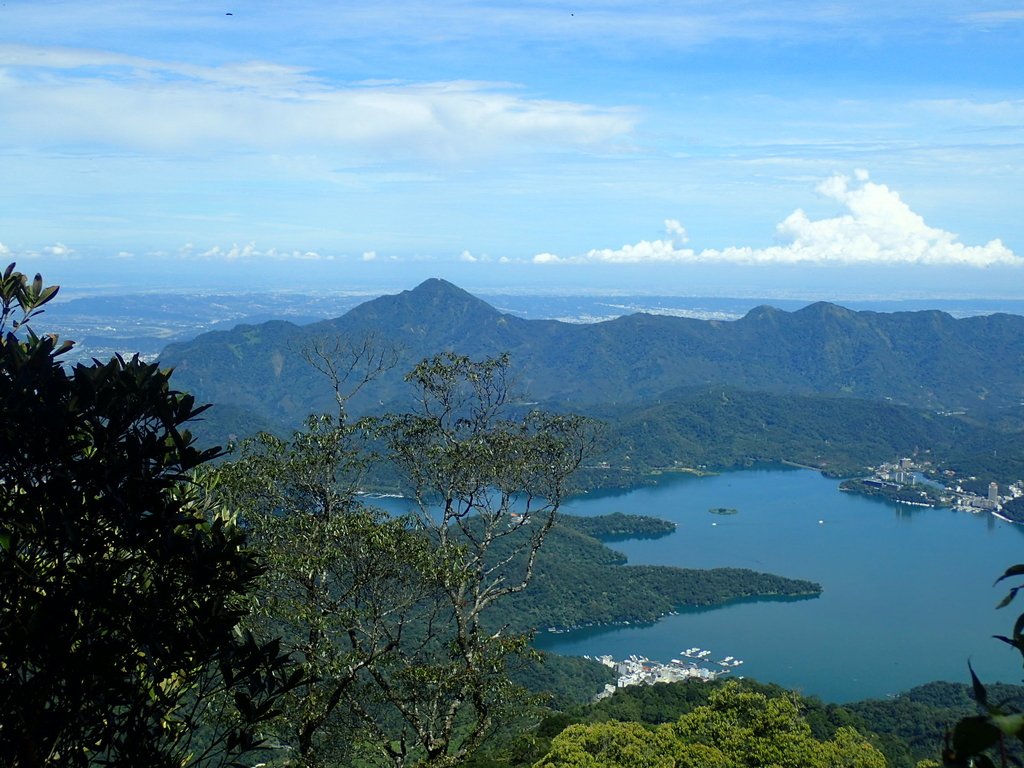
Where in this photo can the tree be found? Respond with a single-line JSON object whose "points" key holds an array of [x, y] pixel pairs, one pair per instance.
{"points": [[755, 730], [614, 744], [389, 613], [735, 729], [122, 587]]}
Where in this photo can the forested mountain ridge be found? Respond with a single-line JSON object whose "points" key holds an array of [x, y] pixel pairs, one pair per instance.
{"points": [[925, 361]]}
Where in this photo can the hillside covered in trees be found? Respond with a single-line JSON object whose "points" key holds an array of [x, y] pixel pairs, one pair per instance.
{"points": [[823, 386]]}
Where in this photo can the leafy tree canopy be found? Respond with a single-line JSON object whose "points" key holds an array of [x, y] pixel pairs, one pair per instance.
{"points": [[389, 614], [122, 588], [737, 728]]}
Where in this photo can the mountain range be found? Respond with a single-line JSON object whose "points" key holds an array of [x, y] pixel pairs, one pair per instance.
{"points": [[908, 376]]}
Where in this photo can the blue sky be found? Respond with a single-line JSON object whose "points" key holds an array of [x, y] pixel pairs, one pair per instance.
{"points": [[818, 149]]}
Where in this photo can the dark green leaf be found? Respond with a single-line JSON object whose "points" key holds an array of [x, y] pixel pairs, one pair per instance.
{"points": [[1013, 570], [973, 735], [980, 694], [1009, 597]]}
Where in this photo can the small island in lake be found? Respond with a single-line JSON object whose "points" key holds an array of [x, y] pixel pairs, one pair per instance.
{"points": [[723, 511]]}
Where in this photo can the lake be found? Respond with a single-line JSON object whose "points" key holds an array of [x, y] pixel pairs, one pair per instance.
{"points": [[908, 591]]}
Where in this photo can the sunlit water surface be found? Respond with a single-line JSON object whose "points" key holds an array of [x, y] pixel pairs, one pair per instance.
{"points": [[908, 592]]}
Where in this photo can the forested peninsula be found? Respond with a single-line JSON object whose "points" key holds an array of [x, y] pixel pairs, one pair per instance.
{"points": [[618, 526], [580, 582]]}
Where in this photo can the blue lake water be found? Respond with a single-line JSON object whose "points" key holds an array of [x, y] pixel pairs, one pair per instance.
{"points": [[908, 591]]}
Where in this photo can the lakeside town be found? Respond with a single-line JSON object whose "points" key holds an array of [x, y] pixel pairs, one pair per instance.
{"points": [[919, 483], [639, 670]]}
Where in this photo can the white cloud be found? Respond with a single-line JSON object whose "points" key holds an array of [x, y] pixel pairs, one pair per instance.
{"points": [[234, 253], [62, 96], [548, 258], [877, 228], [249, 251], [59, 251], [674, 228], [369, 255], [277, 255], [469, 257]]}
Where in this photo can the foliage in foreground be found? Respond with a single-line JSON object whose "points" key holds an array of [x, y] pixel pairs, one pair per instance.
{"points": [[387, 614], [121, 587], [999, 728]]}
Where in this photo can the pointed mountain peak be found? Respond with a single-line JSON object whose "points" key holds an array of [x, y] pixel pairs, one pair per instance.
{"points": [[436, 292], [436, 287], [433, 303]]}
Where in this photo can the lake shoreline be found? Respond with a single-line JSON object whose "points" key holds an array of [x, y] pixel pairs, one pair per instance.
{"points": [[876, 629]]}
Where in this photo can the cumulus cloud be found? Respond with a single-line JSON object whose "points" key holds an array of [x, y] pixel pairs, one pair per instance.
{"points": [[249, 251], [233, 253], [876, 228], [59, 251], [189, 251], [369, 255], [471, 258], [548, 258], [274, 253]]}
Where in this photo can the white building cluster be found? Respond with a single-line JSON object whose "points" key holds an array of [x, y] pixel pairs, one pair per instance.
{"points": [[639, 670], [905, 473]]}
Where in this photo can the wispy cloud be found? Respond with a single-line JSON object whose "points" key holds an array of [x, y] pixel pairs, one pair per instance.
{"points": [[995, 18], [1004, 113], [136, 104], [877, 228]]}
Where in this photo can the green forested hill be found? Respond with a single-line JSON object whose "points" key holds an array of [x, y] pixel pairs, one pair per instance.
{"points": [[824, 385], [724, 427], [923, 359]]}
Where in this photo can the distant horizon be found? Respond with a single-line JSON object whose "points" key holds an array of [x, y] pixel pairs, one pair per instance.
{"points": [[789, 301], [761, 148], [81, 280]]}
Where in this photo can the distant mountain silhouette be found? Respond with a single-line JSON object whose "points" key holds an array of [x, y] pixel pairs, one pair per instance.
{"points": [[924, 360]]}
